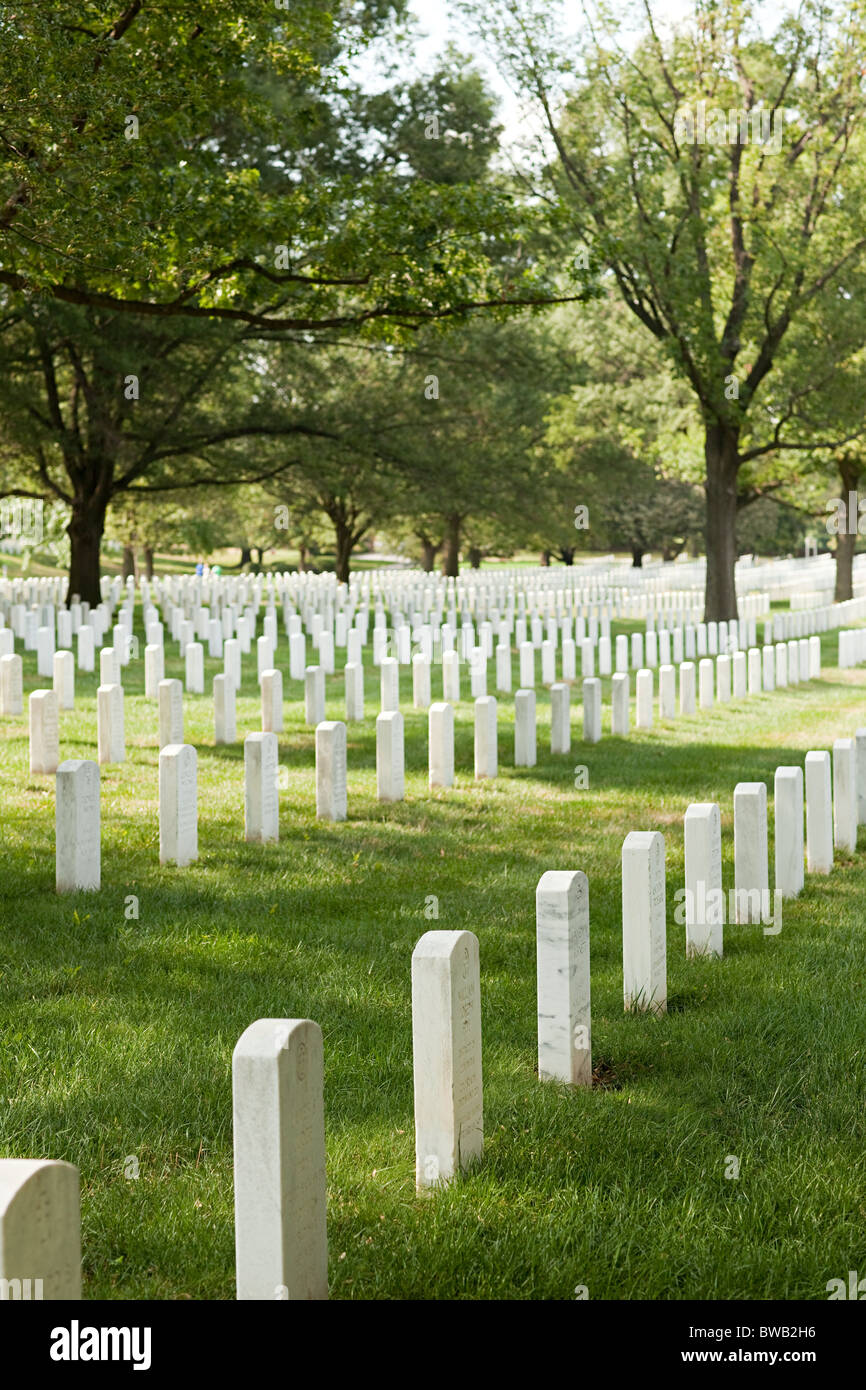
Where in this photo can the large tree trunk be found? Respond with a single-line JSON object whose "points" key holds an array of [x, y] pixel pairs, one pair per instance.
{"points": [[566, 554], [637, 554], [128, 562], [86, 525], [846, 544], [343, 553], [246, 556], [544, 558], [428, 554], [303, 553], [846, 541], [721, 453], [475, 557], [148, 562], [451, 558]]}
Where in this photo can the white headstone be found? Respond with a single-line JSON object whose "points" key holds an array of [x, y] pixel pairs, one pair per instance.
{"points": [[723, 679], [819, 814], [446, 1046], [390, 780], [560, 718], [751, 856], [644, 699], [706, 679], [11, 684], [194, 658], [667, 692], [64, 679], [705, 906], [503, 668], [524, 729], [44, 732], [687, 687], [754, 659], [354, 677], [421, 691], [110, 736], [788, 817], [178, 805], [224, 710], [389, 684], [331, 770], [562, 958], [76, 826], [486, 741], [860, 742], [85, 648], [40, 1230], [281, 1242], [170, 696], [271, 685], [527, 666], [451, 677], [592, 710], [440, 732], [154, 669], [314, 695], [261, 794], [644, 947], [619, 704], [845, 795]]}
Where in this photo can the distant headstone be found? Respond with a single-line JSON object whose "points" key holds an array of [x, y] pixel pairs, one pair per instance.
{"points": [[446, 1045], [687, 687]]}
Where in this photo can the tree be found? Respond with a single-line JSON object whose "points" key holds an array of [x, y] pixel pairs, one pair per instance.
{"points": [[716, 179]]}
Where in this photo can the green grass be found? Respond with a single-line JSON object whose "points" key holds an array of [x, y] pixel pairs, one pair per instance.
{"points": [[116, 1034]]}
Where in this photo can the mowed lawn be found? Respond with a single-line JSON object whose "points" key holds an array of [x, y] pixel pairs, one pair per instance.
{"points": [[116, 1032]]}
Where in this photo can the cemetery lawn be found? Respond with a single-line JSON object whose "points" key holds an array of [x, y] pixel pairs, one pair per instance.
{"points": [[116, 1031]]}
